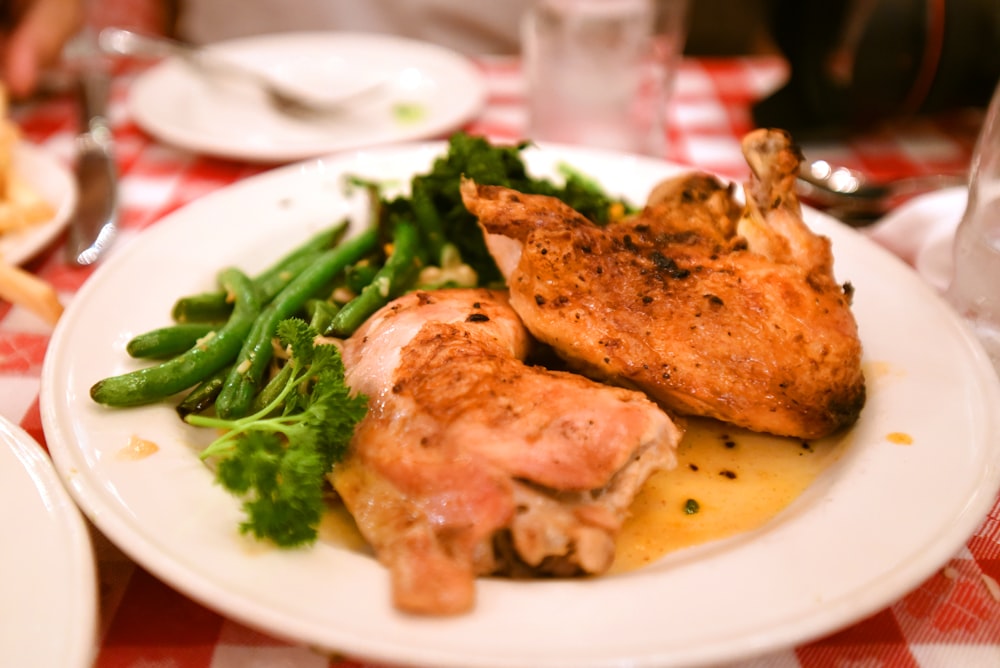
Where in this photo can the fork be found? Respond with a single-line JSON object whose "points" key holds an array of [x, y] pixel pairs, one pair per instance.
{"points": [[122, 42], [855, 199]]}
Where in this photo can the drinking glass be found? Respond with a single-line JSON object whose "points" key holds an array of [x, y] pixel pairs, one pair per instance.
{"points": [[974, 290], [601, 72]]}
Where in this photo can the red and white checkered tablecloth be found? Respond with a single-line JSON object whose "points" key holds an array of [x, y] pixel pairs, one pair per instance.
{"points": [[953, 619]]}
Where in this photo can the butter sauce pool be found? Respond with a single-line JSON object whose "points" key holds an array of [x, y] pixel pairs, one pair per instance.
{"points": [[727, 481]]}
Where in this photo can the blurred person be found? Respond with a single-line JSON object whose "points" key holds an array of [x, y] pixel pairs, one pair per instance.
{"points": [[466, 26], [469, 27], [852, 63], [856, 63], [33, 32], [32, 35]]}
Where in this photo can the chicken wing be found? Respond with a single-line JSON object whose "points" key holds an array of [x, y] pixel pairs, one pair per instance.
{"points": [[472, 462], [711, 308]]}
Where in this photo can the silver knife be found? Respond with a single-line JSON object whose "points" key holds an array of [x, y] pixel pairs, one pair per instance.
{"points": [[94, 223]]}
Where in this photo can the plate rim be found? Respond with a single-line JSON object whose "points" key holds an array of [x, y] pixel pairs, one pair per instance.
{"points": [[80, 648], [22, 246], [975, 511]]}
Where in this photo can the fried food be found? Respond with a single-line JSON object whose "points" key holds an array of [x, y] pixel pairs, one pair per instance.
{"points": [[21, 287], [21, 207], [471, 462], [711, 308]]}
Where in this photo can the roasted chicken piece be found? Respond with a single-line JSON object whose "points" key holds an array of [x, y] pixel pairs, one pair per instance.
{"points": [[712, 308], [471, 462]]}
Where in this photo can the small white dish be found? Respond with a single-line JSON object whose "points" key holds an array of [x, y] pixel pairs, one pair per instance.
{"points": [[922, 232], [398, 90], [871, 529], [55, 182], [47, 572]]}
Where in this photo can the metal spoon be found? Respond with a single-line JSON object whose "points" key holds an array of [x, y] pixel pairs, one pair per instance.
{"points": [[857, 200], [122, 42]]}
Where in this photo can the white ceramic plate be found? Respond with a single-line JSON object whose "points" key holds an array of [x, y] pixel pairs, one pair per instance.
{"points": [[923, 230], [426, 91], [55, 182], [47, 573], [871, 529]]}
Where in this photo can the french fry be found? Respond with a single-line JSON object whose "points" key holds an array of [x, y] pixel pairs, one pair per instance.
{"points": [[9, 136], [24, 289], [21, 206]]}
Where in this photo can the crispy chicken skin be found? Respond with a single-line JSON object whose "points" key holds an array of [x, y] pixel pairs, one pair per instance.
{"points": [[711, 308], [472, 462]]}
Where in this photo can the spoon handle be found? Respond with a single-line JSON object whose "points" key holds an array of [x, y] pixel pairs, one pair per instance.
{"points": [[122, 42]]}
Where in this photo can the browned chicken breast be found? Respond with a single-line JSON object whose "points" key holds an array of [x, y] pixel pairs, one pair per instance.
{"points": [[710, 307], [471, 462]]}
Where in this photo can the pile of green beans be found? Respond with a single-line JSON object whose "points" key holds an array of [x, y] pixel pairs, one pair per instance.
{"points": [[219, 349]]}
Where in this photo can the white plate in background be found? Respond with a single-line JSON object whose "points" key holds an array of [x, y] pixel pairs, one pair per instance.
{"points": [[54, 181], [48, 581], [423, 91], [871, 529]]}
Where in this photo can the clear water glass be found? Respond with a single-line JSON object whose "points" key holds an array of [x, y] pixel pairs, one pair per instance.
{"points": [[974, 290], [601, 72]]}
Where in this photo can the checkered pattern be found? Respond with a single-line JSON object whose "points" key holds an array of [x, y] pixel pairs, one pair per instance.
{"points": [[953, 619]]}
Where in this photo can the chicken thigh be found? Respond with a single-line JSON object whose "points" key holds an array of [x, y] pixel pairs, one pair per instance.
{"points": [[710, 307], [472, 462]]}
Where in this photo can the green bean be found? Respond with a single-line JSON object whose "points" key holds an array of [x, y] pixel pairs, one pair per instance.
{"points": [[273, 388], [428, 220], [360, 274], [165, 342], [269, 286], [320, 312], [397, 272], [154, 383], [246, 377], [203, 395], [322, 241], [208, 306], [204, 307]]}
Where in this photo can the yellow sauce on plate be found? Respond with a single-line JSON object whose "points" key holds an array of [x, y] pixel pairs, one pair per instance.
{"points": [[137, 448], [727, 481], [337, 527]]}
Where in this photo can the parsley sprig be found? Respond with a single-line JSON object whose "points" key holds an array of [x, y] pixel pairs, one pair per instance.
{"points": [[277, 459]]}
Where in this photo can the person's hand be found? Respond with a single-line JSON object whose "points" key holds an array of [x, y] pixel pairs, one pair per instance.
{"points": [[33, 38]]}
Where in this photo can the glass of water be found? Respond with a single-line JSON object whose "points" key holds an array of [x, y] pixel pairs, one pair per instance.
{"points": [[600, 72], [974, 290]]}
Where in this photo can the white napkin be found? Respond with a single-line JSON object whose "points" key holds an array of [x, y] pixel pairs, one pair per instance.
{"points": [[921, 230]]}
